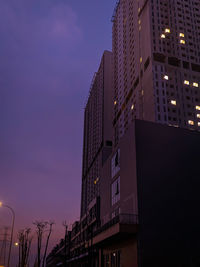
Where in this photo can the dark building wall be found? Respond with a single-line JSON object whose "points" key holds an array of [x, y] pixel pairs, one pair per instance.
{"points": [[127, 202], [97, 139], [168, 174]]}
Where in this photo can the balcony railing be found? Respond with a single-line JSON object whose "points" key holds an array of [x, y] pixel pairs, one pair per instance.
{"points": [[122, 219]]}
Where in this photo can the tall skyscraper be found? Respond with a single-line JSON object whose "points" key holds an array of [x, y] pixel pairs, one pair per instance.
{"points": [[156, 48], [140, 195], [97, 143]]}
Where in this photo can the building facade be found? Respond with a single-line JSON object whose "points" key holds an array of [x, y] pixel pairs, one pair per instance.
{"points": [[140, 157], [97, 139], [156, 49]]}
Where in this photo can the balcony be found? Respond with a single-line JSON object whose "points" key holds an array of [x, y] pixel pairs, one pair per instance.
{"points": [[120, 225]]}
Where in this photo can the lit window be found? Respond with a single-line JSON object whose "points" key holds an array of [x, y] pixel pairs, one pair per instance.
{"points": [[197, 107], [139, 21], [191, 122], [166, 77], [195, 84], [173, 102], [115, 103], [141, 60], [167, 30], [132, 107], [163, 36], [96, 180], [182, 34], [198, 123], [186, 82], [198, 116], [182, 41]]}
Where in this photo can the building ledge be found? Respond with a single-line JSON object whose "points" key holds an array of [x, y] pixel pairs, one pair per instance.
{"points": [[121, 224]]}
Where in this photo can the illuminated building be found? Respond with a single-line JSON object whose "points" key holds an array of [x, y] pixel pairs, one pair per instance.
{"points": [[166, 36]]}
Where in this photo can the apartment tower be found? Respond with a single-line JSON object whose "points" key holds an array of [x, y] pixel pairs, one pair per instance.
{"points": [[97, 139], [156, 49]]}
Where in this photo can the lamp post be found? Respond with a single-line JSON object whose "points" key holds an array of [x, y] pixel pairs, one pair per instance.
{"points": [[12, 229]]}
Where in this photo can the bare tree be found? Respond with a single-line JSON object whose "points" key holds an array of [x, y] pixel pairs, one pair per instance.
{"points": [[24, 246], [40, 229], [51, 223], [65, 250]]}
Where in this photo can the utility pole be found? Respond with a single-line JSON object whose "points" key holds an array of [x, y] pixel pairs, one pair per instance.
{"points": [[4, 247]]}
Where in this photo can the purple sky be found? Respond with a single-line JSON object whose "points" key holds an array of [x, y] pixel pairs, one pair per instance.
{"points": [[49, 50]]}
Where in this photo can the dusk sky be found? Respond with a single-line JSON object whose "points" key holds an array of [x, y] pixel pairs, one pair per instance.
{"points": [[49, 51]]}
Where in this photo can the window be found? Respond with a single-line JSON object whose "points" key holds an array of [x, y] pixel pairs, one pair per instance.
{"points": [[186, 82], [116, 191], [197, 107], [195, 84], [115, 163], [191, 122], [115, 259], [167, 30], [173, 102]]}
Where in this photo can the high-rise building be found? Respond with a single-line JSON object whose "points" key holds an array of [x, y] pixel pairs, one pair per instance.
{"points": [[156, 49], [140, 197], [97, 141]]}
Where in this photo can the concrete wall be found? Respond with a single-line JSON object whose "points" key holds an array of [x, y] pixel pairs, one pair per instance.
{"points": [[168, 195], [127, 173], [128, 252]]}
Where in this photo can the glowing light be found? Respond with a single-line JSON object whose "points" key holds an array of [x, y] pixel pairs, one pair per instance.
{"points": [[181, 34], [195, 84], [198, 123], [173, 102], [1, 204], [166, 77], [197, 107], [191, 122], [182, 41], [96, 181], [167, 30], [186, 82], [115, 103], [163, 36], [16, 244], [132, 107], [141, 60], [198, 116]]}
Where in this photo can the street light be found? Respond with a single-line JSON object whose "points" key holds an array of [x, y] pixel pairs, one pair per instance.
{"points": [[12, 229]]}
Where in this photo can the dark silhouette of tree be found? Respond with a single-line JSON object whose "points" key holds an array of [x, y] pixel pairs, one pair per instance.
{"points": [[51, 223], [24, 246], [65, 248], [40, 228]]}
